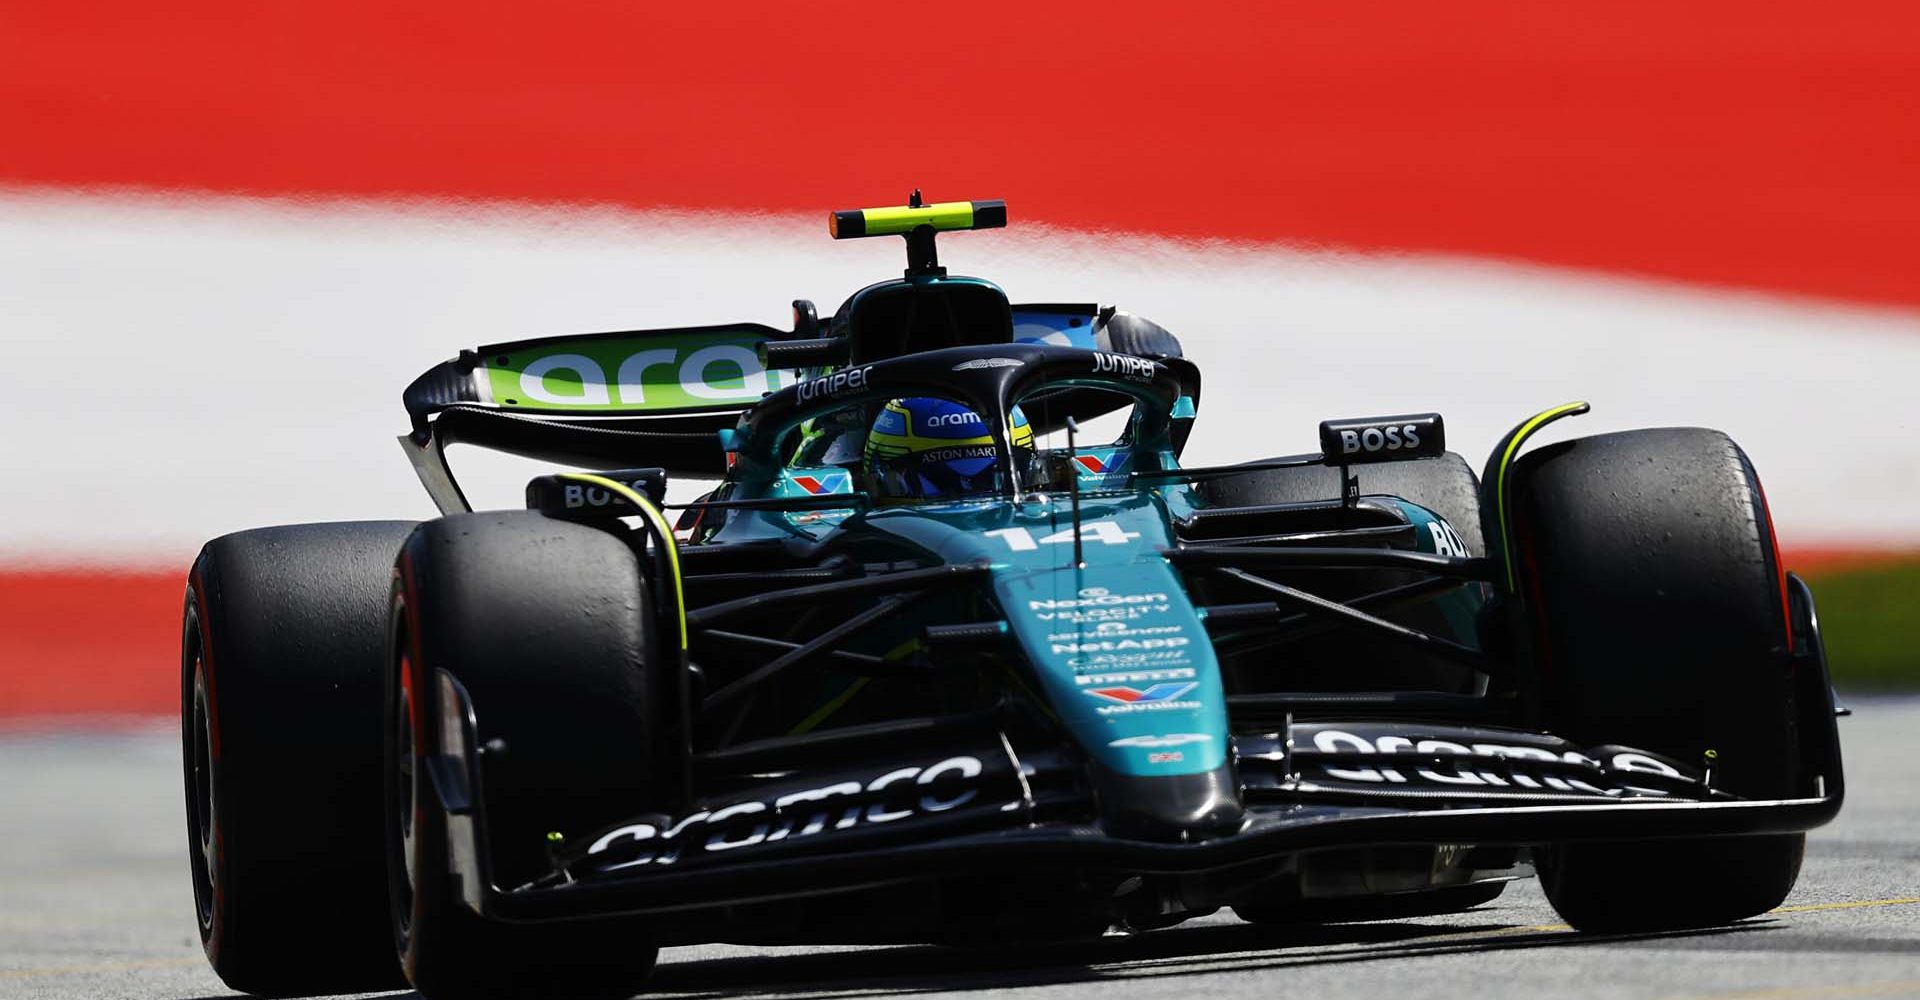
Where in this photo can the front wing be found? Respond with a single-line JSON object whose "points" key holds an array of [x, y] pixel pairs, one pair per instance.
{"points": [[967, 797]]}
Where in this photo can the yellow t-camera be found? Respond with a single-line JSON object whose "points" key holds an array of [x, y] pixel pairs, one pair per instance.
{"points": [[946, 216]]}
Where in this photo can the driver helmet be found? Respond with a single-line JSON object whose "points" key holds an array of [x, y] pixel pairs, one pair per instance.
{"points": [[923, 448]]}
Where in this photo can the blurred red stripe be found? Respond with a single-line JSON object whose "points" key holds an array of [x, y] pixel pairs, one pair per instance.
{"points": [[1771, 145], [107, 643], [1814, 562], [90, 642]]}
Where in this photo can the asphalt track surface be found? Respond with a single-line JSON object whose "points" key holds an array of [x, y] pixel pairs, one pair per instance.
{"points": [[94, 902]]}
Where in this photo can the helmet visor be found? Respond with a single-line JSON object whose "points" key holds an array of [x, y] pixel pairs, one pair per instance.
{"points": [[945, 473]]}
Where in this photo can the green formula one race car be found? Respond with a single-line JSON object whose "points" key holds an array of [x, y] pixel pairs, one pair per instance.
{"points": [[935, 663]]}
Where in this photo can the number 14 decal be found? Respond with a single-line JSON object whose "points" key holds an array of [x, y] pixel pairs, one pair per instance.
{"points": [[1105, 532]]}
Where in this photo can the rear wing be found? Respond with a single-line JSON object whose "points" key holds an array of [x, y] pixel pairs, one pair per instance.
{"points": [[598, 400], [658, 398]]}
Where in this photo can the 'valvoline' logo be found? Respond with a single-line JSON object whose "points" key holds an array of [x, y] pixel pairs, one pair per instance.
{"points": [[826, 483], [1101, 464], [1134, 696]]}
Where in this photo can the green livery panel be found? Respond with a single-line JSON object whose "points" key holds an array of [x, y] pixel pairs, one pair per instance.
{"points": [[1115, 644], [651, 372]]}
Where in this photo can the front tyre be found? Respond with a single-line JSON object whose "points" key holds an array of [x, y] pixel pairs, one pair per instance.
{"points": [[1662, 625], [547, 626]]}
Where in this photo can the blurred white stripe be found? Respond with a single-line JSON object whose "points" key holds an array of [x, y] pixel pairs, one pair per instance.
{"points": [[176, 367]]}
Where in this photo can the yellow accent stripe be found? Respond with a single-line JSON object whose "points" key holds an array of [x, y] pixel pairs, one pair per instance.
{"points": [[659, 522], [1904, 987], [1500, 486], [946, 215], [1815, 907], [820, 714], [1557, 928], [840, 700]]}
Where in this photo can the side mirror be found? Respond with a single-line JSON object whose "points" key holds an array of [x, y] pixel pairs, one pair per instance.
{"points": [[562, 497], [806, 320], [1382, 439]]}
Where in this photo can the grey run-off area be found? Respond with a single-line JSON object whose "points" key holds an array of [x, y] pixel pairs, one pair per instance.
{"points": [[95, 903]]}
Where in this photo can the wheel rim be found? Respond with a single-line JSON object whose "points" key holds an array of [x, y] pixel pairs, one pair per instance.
{"points": [[406, 797], [200, 798]]}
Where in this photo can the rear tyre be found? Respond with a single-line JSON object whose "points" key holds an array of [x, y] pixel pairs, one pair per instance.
{"points": [[1447, 487], [1662, 621], [547, 626], [280, 671], [1444, 485]]}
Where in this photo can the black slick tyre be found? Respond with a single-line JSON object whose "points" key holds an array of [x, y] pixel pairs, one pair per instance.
{"points": [[547, 626], [282, 653], [1661, 625], [1444, 485]]}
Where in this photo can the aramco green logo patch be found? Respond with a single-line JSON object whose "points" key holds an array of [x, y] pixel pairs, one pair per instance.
{"points": [[690, 371]]}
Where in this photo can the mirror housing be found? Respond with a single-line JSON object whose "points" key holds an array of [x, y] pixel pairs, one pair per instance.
{"points": [[1361, 440], [559, 496]]}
